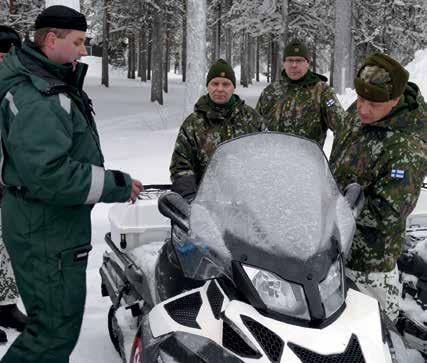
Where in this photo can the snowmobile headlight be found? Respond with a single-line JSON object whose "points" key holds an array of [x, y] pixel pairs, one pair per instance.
{"points": [[332, 289], [277, 294]]}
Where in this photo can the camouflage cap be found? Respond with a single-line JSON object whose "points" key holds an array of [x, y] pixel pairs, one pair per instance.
{"points": [[296, 48], [221, 69], [381, 78]]}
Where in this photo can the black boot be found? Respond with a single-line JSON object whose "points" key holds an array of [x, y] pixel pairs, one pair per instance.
{"points": [[3, 337], [12, 317]]}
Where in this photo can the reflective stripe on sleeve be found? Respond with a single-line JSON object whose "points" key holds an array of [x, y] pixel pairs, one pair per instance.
{"points": [[1, 162], [12, 105], [65, 102], [96, 185]]}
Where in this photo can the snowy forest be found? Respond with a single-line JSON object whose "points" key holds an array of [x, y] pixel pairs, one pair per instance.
{"points": [[153, 37]]}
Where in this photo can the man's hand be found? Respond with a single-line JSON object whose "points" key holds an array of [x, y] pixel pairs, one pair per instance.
{"points": [[137, 188]]}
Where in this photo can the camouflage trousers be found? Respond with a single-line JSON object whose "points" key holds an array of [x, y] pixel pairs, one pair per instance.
{"points": [[8, 289], [383, 286]]}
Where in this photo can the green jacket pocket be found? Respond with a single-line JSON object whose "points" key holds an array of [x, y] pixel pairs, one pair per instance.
{"points": [[72, 263]]}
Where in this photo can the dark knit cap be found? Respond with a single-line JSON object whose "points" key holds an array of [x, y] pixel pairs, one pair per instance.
{"points": [[221, 69], [381, 78], [61, 17], [296, 48], [8, 37]]}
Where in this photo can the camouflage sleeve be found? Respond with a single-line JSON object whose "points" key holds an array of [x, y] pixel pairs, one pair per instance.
{"points": [[182, 163], [333, 114], [393, 197], [261, 104], [265, 105], [256, 120]]}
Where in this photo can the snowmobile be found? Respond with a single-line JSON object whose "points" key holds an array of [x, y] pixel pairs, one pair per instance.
{"points": [[412, 321], [251, 271]]}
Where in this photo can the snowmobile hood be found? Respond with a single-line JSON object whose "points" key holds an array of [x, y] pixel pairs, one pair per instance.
{"points": [[269, 200]]}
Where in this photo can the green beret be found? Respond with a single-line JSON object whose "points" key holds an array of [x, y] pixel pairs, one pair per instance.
{"points": [[381, 78], [296, 48], [221, 69]]}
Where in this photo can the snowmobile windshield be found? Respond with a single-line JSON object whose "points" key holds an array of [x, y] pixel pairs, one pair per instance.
{"points": [[264, 194]]}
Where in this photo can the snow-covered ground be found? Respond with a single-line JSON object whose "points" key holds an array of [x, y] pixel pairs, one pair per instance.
{"points": [[138, 137]]}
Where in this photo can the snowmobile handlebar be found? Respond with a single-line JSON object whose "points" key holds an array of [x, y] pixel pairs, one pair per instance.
{"points": [[176, 208], [355, 197]]}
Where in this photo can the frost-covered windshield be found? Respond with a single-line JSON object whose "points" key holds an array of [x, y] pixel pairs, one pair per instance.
{"points": [[272, 190]]}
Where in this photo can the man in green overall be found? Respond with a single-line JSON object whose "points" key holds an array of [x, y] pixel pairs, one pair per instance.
{"points": [[53, 172]]}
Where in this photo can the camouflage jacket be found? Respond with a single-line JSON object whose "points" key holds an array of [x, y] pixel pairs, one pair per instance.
{"points": [[307, 107], [388, 158], [204, 129]]}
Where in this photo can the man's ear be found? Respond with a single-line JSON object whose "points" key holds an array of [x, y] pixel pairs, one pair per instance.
{"points": [[395, 101], [50, 39]]}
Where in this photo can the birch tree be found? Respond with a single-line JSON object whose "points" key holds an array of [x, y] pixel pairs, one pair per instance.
{"points": [[157, 54], [343, 54], [196, 52]]}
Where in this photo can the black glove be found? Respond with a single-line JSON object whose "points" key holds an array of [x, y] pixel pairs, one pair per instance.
{"points": [[186, 186], [413, 264]]}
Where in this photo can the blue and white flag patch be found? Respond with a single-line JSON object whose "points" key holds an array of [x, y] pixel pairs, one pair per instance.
{"points": [[397, 173], [330, 102]]}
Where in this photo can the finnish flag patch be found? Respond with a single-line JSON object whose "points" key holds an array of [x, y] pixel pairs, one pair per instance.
{"points": [[330, 102], [397, 173]]}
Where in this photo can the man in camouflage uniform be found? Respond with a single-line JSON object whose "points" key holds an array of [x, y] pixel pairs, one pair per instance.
{"points": [[382, 146], [300, 103], [10, 315], [218, 116]]}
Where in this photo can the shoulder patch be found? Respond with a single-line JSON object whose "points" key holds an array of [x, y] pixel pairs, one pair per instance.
{"points": [[65, 102], [12, 105], [330, 102], [397, 173]]}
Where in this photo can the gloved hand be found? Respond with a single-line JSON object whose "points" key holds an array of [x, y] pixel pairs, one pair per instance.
{"points": [[186, 187]]}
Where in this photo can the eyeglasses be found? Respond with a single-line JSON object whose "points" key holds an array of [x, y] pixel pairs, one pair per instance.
{"points": [[295, 61]]}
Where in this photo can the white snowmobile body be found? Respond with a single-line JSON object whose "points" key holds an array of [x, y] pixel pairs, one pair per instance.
{"points": [[249, 336], [267, 249]]}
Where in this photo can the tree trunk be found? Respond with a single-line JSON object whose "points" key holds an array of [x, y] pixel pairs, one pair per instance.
{"points": [[184, 43], [131, 56], [278, 51], [229, 45], [258, 39], [244, 64], [134, 56], [331, 71], [157, 55], [285, 19], [166, 57], [196, 52], [228, 36], [149, 49], [216, 36], [139, 52], [105, 40], [314, 60], [143, 54], [252, 58], [11, 7], [343, 44], [275, 61]]}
